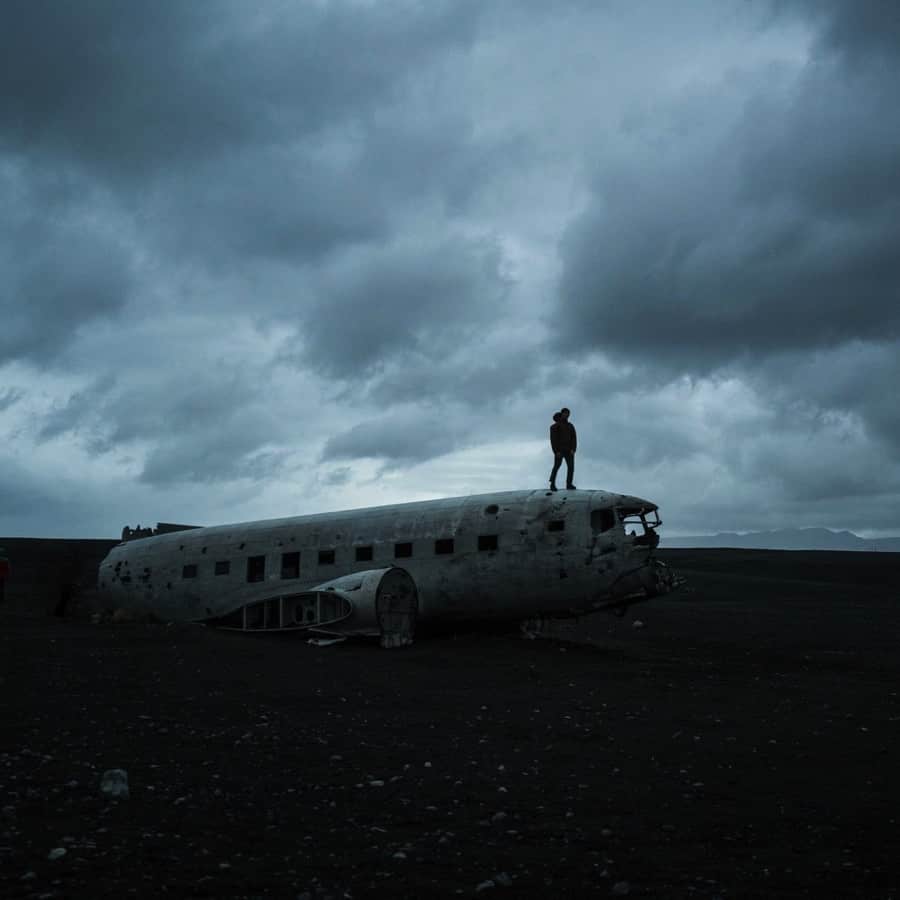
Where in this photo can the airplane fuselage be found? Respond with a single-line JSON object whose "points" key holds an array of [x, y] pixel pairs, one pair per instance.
{"points": [[511, 555]]}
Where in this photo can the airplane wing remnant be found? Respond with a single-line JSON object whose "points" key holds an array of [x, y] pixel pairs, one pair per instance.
{"points": [[377, 603]]}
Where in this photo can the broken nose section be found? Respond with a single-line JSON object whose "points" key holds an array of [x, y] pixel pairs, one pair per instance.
{"points": [[651, 579]]}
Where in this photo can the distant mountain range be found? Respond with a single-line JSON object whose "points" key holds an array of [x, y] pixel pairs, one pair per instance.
{"points": [[787, 539]]}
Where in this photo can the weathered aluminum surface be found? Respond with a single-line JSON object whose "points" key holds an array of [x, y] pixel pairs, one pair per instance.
{"points": [[539, 567]]}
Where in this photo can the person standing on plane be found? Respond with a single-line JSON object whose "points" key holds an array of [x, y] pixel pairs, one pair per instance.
{"points": [[564, 443]]}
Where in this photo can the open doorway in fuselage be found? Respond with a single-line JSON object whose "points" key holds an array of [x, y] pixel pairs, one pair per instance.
{"points": [[397, 608]]}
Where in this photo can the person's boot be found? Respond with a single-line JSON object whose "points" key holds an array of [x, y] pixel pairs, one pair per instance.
{"points": [[571, 487], [553, 487]]}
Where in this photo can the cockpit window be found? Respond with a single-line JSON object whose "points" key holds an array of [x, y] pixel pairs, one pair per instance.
{"points": [[640, 524]]}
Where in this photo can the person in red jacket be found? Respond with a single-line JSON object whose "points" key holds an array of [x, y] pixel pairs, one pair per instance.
{"points": [[564, 443]]}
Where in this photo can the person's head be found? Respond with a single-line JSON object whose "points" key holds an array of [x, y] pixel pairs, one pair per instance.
{"points": [[564, 413], [556, 417]]}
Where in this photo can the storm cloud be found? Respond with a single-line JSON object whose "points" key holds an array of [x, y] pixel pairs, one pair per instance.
{"points": [[749, 232], [409, 298], [283, 258], [401, 437], [129, 89], [775, 235]]}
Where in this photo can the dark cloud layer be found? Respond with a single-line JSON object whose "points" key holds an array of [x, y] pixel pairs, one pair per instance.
{"points": [[267, 205], [856, 28], [61, 265], [255, 248], [402, 437], [203, 426], [414, 297], [765, 244], [857, 379], [133, 88], [10, 396], [477, 374], [778, 237], [225, 140]]}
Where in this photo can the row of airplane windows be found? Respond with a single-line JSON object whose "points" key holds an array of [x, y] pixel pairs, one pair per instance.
{"points": [[290, 561]]}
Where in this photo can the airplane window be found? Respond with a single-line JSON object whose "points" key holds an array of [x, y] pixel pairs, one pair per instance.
{"points": [[443, 546], [290, 564], [189, 571], [602, 520], [256, 568], [557, 525], [403, 551], [487, 541], [326, 557], [223, 566], [363, 554]]}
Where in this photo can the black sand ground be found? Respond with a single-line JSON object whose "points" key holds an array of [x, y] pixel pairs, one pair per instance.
{"points": [[744, 743]]}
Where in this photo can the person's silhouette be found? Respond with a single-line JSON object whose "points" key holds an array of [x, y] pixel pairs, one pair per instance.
{"points": [[564, 443]]}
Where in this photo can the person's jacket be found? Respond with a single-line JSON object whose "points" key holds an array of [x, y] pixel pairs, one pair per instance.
{"points": [[563, 438]]}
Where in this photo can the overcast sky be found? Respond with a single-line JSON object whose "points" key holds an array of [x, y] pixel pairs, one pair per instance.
{"points": [[264, 259]]}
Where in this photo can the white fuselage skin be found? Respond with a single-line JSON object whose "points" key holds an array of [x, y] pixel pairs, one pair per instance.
{"points": [[542, 554]]}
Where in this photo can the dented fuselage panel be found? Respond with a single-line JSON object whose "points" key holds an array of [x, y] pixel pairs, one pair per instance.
{"points": [[511, 555]]}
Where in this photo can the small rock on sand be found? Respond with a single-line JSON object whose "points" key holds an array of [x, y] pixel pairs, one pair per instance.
{"points": [[114, 783]]}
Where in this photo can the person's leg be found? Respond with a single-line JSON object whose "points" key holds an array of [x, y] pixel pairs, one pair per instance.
{"points": [[557, 462], [570, 469]]}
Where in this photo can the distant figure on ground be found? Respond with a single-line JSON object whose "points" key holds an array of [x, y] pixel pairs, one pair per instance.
{"points": [[67, 591], [564, 442], [4, 574]]}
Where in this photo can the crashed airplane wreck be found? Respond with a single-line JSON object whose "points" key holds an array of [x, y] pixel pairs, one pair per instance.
{"points": [[527, 556]]}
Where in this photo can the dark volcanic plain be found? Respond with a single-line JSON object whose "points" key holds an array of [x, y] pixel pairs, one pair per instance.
{"points": [[743, 743]]}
